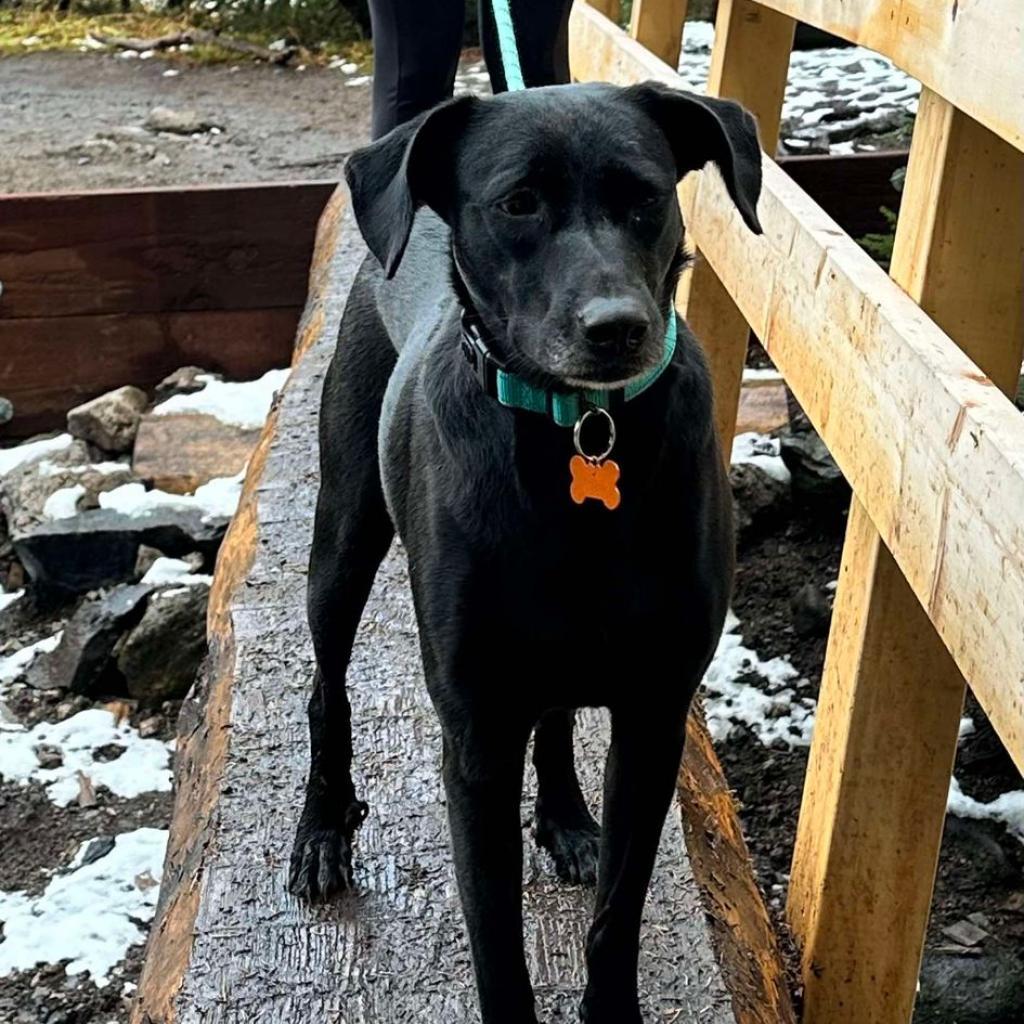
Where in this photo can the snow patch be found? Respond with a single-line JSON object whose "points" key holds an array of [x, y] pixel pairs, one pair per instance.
{"points": [[1008, 808], [11, 458], [216, 499], [772, 710], [836, 92], [243, 404], [48, 468], [14, 664], [142, 768], [63, 503], [174, 570], [6, 600], [89, 914], [761, 451]]}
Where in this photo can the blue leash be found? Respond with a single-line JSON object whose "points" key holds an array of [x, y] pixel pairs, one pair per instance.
{"points": [[507, 44]]}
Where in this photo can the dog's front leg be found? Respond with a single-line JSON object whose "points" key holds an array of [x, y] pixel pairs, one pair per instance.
{"points": [[640, 777], [483, 778]]}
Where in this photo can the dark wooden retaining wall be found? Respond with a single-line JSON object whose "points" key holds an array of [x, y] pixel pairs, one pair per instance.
{"points": [[102, 289]]}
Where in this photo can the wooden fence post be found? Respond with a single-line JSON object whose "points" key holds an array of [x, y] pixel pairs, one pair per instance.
{"points": [[658, 25], [891, 696], [749, 63]]}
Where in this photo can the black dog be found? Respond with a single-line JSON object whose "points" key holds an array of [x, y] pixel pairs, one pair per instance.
{"points": [[551, 245]]}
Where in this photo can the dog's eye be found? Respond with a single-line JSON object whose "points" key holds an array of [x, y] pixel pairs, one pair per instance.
{"points": [[521, 203]]}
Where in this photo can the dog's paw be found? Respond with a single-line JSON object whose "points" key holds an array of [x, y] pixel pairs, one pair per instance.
{"points": [[321, 862], [574, 850]]}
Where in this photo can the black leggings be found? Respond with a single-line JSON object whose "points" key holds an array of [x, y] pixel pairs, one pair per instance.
{"points": [[417, 43]]}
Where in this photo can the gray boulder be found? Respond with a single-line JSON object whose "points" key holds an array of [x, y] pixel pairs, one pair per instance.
{"points": [[6, 410], [159, 658], [816, 477], [812, 611], [111, 421], [178, 122], [26, 489], [81, 658], [100, 547], [184, 381], [759, 499]]}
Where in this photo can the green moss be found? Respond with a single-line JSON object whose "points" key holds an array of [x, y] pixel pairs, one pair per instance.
{"points": [[879, 245], [321, 28]]}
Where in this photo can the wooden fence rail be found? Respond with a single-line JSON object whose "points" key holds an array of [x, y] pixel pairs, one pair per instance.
{"points": [[902, 378]]}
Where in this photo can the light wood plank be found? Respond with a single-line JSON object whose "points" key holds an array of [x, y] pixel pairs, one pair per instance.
{"points": [[873, 810], [749, 63], [658, 25], [970, 53], [934, 452]]}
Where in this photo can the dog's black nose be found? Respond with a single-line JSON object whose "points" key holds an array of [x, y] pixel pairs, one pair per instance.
{"points": [[620, 323]]}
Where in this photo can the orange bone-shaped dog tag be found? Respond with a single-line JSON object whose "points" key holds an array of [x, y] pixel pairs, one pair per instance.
{"points": [[597, 480]]}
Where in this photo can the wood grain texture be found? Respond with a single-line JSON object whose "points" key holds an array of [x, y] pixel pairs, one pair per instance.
{"points": [[47, 366], [970, 53], [741, 930], [932, 449], [229, 944], [157, 250], [870, 833], [109, 288]]}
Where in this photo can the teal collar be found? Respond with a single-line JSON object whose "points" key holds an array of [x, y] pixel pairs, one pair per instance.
{"points": [[564, 407]]}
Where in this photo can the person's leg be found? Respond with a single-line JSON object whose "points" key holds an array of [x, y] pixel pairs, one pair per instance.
{"points": [[542, 35], [416, 46]]}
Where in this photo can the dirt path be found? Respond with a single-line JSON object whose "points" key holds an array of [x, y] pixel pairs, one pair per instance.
{"points": [[74, 121]]}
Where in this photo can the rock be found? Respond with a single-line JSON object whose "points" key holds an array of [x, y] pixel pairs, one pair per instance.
{"points": [[71, 706], [152, 726], [987, 989], [6, 410], [180, 452], [49, 756], [111, 421], [85, 649], [86, 791], [816, 477], [760, 499], [97, 849], [812, 611], [965, 933], [100, 547], [184, 381], [27, 492], [160, 656], [178, 122], [144, 560], [763, 407]]}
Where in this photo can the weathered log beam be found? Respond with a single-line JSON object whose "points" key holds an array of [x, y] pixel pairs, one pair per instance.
{"points": [[228, 943]]}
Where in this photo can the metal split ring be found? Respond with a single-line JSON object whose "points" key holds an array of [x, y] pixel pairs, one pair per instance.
{"points": [[594, 410]]}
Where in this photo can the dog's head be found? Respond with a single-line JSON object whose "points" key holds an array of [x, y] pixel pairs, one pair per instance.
{"points": [[562, 207]]}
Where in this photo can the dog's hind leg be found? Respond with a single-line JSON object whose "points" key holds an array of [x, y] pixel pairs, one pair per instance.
{"points": [[640, 778], [564, 825], [352, 533]]}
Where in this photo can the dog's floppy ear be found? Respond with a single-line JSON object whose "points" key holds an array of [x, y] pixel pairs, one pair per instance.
{"points": [[408, 167], [701, 129]]}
